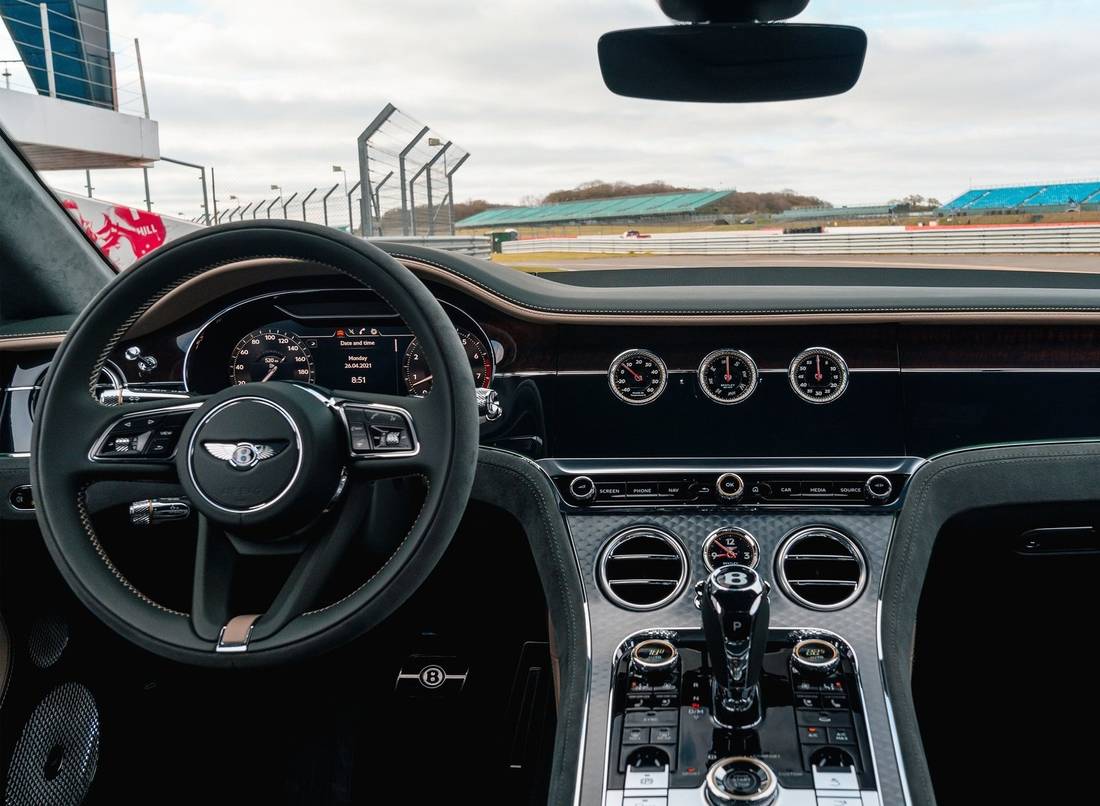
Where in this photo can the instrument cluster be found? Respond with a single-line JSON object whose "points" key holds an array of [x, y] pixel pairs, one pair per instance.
{"points": [[728, 376], [338, 339]]}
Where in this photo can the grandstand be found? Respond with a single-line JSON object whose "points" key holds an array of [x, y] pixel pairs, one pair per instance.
{"points": [[655, 208], [1026, 198], [838, 213]]}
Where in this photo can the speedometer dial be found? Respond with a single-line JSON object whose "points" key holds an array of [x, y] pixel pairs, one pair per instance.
{"points": [[728, 376], [418, 375], [270, 355], [818, 375], [637, 376]]}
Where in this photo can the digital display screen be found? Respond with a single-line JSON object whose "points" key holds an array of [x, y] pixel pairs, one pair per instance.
{"points": [[358, 357]]}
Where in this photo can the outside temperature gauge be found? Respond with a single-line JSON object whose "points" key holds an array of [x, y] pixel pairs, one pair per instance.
{"points": [[637, 377]]}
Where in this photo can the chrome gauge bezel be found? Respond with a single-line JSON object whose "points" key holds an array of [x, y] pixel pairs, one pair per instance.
{"points": [[723, 530], [623, 356], [744, 357], [833, 355]]}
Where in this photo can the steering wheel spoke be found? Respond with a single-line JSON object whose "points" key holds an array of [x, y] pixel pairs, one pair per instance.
{"points": [[391, 436], [217, 562], [135, 440]]}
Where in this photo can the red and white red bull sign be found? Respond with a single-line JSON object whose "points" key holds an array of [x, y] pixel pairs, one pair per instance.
{"points": [[124, 234]]}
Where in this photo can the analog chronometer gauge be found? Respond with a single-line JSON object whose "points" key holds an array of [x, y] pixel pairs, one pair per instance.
{"points": [[637, 376], [818, 375], [728, 376], [730, 546]]}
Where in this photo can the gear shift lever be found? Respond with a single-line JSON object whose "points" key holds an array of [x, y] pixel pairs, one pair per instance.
{"points": [[734, 601]]}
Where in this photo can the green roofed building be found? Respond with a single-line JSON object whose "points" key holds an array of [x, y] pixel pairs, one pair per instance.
{"points": [[624, 209]]}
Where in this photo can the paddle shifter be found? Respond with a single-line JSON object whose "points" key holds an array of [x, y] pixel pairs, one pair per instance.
{"points": [[734, 602]]}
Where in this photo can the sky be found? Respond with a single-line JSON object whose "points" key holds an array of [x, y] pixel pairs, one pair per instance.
{"points": [[953, 93]]}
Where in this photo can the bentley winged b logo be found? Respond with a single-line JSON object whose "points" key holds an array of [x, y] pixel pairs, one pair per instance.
{"points": [[240, 455]]}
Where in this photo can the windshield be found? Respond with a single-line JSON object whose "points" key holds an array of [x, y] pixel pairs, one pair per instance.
{"points": [[486, 128]]}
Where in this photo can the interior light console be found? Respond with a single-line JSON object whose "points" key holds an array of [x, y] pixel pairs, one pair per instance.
{"points": [[737, 712], [596, 483]]}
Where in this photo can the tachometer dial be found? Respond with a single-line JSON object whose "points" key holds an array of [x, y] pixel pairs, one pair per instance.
{"points": [[270, 355], [418, 375], [730, 546], [728, 376], [818, 375], [637, 377]]}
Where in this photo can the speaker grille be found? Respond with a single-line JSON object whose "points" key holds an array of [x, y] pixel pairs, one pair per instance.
{"points": [[642, 568], [55, 758], [821, 568], [48, 639]]}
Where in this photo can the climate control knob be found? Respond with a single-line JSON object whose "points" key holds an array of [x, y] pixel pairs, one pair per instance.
{"points": [[815, 657], [741, 780], [730, 487]]}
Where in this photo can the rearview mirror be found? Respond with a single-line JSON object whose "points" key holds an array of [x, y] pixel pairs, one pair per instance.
{"points": [[732, 63]]}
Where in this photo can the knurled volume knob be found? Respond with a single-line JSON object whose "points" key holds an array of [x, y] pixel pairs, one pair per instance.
{"points": [[730, 487], [815, 656], [741, 780], [878, 488], [582, 488]]}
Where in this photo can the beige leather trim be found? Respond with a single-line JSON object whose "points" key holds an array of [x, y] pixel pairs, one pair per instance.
{"points": [[236, 631], [45, 341]]}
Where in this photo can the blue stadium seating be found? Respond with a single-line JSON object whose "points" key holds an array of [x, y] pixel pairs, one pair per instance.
{"points": [[1063, 194], [1025, 196]]}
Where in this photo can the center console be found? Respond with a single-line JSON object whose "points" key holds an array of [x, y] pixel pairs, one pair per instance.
{"points": [[737, 713], [733, 609]]}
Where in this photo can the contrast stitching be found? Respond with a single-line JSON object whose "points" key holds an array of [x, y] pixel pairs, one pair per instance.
{"points": [[86, 522]]}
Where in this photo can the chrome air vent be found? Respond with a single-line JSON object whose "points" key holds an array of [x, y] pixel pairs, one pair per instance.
{"points": [[642, 568], [821, 568]]}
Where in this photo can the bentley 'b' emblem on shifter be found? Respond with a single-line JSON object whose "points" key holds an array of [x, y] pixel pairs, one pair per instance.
{"points": [[241, 455]]}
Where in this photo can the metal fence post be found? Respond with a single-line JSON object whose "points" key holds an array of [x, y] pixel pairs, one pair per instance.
{"points": [[351, 218], [51, 80], [287, 203], [304, 201], [267, 212], [324, 202], [141, 79], [451, 188], [244, 212], [214, 192], [431, 162], [378, 199], [256, 209], [406, 214], [364, 168]]}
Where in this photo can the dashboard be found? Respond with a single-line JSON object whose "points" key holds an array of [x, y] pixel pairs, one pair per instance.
{"points": [[679, 444]]}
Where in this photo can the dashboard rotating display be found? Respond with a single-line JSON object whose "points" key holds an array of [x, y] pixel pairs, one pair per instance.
{"points": [[418, 375], [637, 377], [728, 376], [818, 375]]}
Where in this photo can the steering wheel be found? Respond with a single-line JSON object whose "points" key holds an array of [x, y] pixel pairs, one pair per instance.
{"points": [[270, 467]]}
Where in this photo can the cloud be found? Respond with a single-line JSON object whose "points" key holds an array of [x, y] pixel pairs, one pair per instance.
{"points": [[276, 92]]}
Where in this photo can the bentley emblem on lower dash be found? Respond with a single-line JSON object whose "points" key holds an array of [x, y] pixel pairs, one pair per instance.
{"points": [[241, 455]]}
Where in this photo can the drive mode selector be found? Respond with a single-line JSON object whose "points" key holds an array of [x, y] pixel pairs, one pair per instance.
{"points": [[741, 780], [653, 659]]}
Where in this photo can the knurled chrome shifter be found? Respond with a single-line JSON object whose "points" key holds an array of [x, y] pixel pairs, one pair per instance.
{"points": [[734, 603]]}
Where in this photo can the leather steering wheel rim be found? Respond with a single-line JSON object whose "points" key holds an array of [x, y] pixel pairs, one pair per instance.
{"points": [[69, 419]]}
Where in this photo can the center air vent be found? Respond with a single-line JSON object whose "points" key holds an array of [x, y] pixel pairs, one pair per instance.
{"points": [[642, 568], [821, 568]]}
